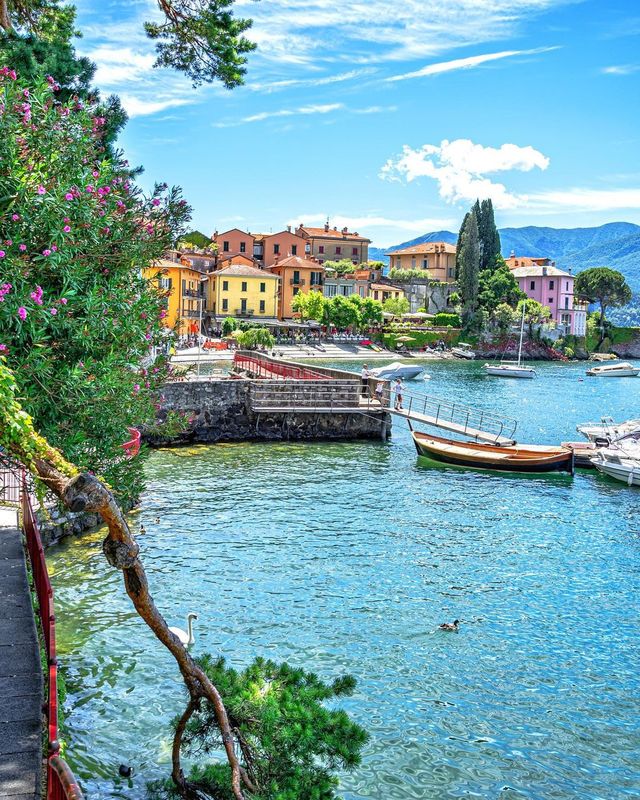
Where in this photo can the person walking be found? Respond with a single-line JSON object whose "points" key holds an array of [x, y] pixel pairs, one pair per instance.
{"points": [[379, 391], [398, 388], [365, 374]]}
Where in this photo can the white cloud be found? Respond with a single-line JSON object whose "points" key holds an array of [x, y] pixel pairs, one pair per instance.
{"points": [[318, 108], [584, 199], [465, 63], [621, 69], [460, 168], [309, 83], [139, 107]]}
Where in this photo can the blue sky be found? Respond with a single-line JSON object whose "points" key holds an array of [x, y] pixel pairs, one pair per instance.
{"points": [[392, 116]]}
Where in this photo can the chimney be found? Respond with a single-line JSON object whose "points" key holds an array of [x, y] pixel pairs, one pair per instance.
{"points": [[289, 228], [544, 271], [553, 263], [344, 231], [334, 228], [326, 227], [513, 254]]}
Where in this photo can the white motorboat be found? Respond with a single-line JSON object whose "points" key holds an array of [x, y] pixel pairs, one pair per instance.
{"points": [[463, 350], [512, 369], [619, 464], [617, 370], [607, 429], [396, 370]]}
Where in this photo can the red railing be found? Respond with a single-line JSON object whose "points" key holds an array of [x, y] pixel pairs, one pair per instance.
{"points": [[265, 368], [132, 447], [61, 785]]}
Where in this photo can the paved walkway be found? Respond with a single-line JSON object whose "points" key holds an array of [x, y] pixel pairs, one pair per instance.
{"points": [[20, 677]]}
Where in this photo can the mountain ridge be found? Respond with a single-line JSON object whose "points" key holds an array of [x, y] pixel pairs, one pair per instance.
{"points": [[614, 244]]}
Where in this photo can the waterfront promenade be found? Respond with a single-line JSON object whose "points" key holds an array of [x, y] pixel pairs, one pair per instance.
{"points": [[20, 676]]}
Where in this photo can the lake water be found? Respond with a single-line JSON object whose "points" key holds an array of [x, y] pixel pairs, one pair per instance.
{"points": [[346, 557]]}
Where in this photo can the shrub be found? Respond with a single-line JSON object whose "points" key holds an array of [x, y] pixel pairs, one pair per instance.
{"points": [[445, 320]]}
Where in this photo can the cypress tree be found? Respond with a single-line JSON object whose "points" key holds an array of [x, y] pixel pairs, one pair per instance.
{"points": [[469, 266], [459, 242], [489, 236]]}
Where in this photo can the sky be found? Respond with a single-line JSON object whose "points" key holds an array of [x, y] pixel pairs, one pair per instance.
{"points": [[391, 116]]}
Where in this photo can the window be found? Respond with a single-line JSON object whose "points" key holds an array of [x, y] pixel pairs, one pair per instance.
{"points": [[398, 262], [263, 287], [425, 263], [225, 286], [207, 263], [552, 285], [296, 276], [225, 246], [165, 283], [532, 285], [262, 306], [225, 304], [550, 300], [413, 262], [276, 249], [244, 286], [295, 290], [330, 290], [452, 272], [567, 285], [321, 248], [184, 286], [294, 249], [566, 302], [243, 305], [354, 251], [338, 251]]}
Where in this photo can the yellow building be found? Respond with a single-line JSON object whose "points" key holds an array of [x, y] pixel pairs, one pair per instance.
{"points": [[243, 291], [183, 287], [437, 258], [384, 291]]}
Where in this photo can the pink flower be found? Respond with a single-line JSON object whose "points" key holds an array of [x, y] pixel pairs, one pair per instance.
{"points": [[3, 348], [22, 313], [68, 196], [53, 311], [15, 217], [156, 202], [64, 301], [89, 188], [22, 247], [25, 92], [67, 229], [37, 295], [95, 173], [12, 74], [46, 252], [136, 388], [2, 254], [41, 189]]}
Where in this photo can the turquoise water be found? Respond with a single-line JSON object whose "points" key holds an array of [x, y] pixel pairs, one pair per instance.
{"points": [[346, 557]]}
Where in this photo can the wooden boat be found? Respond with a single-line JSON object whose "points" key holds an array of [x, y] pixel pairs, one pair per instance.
{"points": [[509, 458]]}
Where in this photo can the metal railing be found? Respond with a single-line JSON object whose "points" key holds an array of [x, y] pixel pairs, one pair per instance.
{"points": [[456, 415], [244, 312], [10, 485], [258, 367], [61, 784], [299, 282]]}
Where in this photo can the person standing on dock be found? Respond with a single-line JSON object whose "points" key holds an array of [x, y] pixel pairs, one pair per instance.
{"points": [[398, 388], [365, 374]]}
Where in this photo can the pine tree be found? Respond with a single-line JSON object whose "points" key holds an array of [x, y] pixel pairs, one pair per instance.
{"points": [[469, 266]]}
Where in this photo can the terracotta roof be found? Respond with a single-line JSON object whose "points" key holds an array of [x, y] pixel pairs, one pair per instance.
{"points": [[245, 271], [165, 263], [425, 247], [386, 287], [332, 233], [537, 271], [296, 262]]}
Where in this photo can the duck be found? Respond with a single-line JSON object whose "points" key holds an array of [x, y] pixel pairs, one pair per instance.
{"points": [[142, 529], [125, 771], [451, 627], [157, 521], [186, 637]]}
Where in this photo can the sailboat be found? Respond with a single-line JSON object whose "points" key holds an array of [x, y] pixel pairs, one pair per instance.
{"points": [[512, 369]]}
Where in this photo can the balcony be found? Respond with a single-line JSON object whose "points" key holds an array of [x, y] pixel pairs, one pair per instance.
{"points": [[317, 282], [192, 293], [244, 312], [298, 282]]}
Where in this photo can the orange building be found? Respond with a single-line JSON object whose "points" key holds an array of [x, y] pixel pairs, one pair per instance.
{"points": [[438, 258], [331, 244], [276, 246], [234, 241], [183, 288], [296, 275]]}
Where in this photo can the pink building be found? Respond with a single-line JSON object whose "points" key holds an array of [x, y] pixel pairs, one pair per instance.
{"points": [[541, 280]]}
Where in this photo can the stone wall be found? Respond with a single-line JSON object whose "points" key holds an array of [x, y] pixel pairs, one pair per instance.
{"points": [[221, 411]]}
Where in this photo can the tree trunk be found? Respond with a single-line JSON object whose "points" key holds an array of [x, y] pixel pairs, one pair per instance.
{"points": [[86, 493], [5, 21]]}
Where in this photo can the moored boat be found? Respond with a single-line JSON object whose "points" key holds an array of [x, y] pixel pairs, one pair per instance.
{"points": [[509, 458], [618, 370], [607, 429], [510, 369], [618, 465], [396, 370], [463, 350]]}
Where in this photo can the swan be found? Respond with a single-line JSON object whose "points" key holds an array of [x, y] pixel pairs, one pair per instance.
{"points": [[186, 639], [450, 626]]}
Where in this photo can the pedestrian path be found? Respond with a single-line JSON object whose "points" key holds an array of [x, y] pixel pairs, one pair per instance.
{"points": [[20, 677]]}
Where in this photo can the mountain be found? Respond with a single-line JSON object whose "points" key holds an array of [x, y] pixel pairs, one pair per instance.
{"points": [[615, 245]]}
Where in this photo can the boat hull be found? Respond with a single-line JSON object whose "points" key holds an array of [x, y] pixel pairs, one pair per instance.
{"points": [[620, 373], [460, 353], [392, 371], [513, 458], [618, 472], [509, 372]]}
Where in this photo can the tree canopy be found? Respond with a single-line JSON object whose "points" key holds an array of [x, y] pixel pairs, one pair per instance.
{"points": [[605, 286], [342, 267], [396, 306], [310, 305]]}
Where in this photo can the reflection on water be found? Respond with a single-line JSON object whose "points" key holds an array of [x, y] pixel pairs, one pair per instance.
{"points": [[346, 557]]}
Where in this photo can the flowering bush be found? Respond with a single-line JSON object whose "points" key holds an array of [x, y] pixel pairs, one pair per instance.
{"points": [[77, 319]]}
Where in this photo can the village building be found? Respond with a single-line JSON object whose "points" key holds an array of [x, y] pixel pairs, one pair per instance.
{"points": [[296, 274], [183, 287], [385, 291], [541, 280], [437, 258], [232, 242], [243, 291], [272, 247], [331, 244]]}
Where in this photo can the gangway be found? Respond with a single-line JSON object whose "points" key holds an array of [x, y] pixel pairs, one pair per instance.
{"points": [[471, 422]]}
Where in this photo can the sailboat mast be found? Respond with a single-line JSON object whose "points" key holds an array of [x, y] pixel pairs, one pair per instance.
{"points": [[521, 332]]}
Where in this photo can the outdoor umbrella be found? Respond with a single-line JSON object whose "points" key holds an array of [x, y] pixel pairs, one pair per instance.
{"points": [[405, 339]]}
